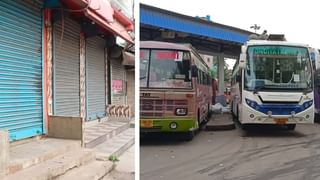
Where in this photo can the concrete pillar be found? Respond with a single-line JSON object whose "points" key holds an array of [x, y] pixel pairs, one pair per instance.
{"points": [[221, 73], [82, 76], [4, 152], [49, 59]]}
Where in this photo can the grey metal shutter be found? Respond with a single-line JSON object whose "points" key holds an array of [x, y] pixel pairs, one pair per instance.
{"points": [[95, 72], [131, 89], [118, 73], [66, 68], [21, 100]]}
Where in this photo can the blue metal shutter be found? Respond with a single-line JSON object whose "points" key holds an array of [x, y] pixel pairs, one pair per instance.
{"points": [[21, 100], [95, 72], [66, 68]]}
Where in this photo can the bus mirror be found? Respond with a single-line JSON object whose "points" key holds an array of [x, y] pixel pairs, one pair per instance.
{"points": [[242, 61], [194, 71]]}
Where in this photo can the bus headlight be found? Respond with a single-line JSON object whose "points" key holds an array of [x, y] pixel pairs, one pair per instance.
{"points": [[307, 104], [252, 104], [181, 111], [173, 125]]}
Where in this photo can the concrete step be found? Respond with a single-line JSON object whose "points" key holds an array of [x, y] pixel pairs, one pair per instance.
{"points": [[132, 123], [55, 167], [220, 122], [25, 155], [92, 171], [115, 146], [103, 131]]}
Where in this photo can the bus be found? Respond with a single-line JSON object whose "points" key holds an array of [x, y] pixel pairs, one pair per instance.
{"points": [[175, 88], [316, 69], [272, 83]]}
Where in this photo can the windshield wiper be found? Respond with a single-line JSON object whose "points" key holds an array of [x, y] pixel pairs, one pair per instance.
{"points": [[255, 91]]}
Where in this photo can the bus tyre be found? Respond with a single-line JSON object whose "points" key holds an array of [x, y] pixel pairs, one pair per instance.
{"points": [[316, 117], [189, 135], [245, 127], [291, 127]]}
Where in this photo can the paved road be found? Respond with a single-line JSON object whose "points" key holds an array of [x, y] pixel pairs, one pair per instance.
{"points": [[235, 155]]}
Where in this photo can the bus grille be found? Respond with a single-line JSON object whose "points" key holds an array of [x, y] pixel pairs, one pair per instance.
{"points": [[157, 108]]}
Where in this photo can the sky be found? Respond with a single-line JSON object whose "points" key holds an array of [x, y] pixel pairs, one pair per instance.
{"points": [[298, 20]]}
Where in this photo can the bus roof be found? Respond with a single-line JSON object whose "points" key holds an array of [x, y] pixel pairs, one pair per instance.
{"points": [[265, 42], [173, 46], [165, 45]]}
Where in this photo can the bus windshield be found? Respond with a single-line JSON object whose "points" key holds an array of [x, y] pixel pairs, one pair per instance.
{"points": [[276, 67], [165, 69]]}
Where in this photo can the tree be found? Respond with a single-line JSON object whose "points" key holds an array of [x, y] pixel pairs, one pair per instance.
{"points": [[227, 73]]}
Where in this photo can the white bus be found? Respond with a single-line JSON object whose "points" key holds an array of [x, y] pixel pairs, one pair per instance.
{"points": [[272, 83]]}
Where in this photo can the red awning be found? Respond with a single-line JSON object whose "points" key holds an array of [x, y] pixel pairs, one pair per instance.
{"points": [[102, 13]]}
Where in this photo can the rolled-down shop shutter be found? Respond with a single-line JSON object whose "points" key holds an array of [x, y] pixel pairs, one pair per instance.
{"points": [[66, 68], [118, 81], [21, 100], [95, 72]]}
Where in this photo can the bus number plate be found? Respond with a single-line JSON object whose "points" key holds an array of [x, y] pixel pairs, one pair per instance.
{"points": [[146, 123], [281, 120]]}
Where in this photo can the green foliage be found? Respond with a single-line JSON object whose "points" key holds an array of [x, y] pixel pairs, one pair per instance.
{"points": [[113, 158], [227, 74]]}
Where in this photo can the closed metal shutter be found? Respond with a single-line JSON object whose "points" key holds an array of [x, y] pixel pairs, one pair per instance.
{"points": [[130, 90], [95, 72], [67, 69], [21, 100], [118, 73]]}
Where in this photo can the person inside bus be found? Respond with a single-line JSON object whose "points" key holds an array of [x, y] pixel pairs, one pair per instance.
{"points": [[214, 90]]}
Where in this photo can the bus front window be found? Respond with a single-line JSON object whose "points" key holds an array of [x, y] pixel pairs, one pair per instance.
{"points": [[170, 69], [275, 67], [144, 64]]}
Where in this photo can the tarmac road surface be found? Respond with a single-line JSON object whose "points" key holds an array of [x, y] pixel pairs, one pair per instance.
{"points": [[261, 154]]}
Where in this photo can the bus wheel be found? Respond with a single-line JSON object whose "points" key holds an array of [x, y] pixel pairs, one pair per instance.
{"points": [[291, 127], [316, 118], [189, 135], [245, 127], [237, 115]]}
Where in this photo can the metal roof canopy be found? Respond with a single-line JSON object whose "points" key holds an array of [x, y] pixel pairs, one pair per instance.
{"points": [[205, 36]]}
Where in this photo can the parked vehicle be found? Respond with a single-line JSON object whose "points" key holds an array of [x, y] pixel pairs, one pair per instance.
{"points": [[175, 88], [272, 83], [315, 58]]}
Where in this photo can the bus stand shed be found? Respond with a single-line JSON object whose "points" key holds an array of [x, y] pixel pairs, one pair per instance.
{"points": [[208, 37]]}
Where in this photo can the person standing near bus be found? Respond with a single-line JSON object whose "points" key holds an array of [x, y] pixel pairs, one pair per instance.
{"points": [[214, 90]]}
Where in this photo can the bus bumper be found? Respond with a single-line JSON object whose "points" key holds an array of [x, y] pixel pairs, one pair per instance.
{"points": [[168, 125], [305, 117]]}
